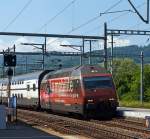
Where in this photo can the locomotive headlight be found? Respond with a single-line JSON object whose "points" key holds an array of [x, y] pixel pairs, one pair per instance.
{"points": [[111, 99], [93, 71], [90, 100]]}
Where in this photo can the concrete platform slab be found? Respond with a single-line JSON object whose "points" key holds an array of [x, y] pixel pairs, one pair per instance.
{"points": [[133, 112], [23, 131]]}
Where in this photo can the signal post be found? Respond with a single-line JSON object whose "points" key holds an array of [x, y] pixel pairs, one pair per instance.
{"points": [[9, 62]]}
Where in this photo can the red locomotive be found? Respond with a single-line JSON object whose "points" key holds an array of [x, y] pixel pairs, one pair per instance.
{"points": [[85, 90]]}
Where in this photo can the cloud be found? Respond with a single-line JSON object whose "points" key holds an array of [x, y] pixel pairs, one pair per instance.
{"points": [[117, 42], [54, 44], [17, 42], [121, 42], [3, 45], [24, 48]]}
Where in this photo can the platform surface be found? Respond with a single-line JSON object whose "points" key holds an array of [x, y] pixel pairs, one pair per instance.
{"points": [[133, 112], [23, 131]]}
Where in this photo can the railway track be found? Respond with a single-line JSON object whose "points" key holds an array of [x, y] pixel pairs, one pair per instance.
{"points": [[114, 129], [128, 125]]}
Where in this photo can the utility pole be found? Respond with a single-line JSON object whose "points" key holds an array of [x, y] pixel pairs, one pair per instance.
{"points": [[45, 47], [26, 64], [43, 58], [81, 56], [112, 53], [141, 84], [3, 68], [14, 66], [90, 52], [90, 42], [105, 45], [74, 47], [82, 53], [42, 48], [45, 44]]}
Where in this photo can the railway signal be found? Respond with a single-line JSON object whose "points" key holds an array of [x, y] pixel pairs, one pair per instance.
{"points": [[9, 60]]}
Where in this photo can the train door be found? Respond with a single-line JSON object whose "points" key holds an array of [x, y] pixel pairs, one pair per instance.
{"points": [[48, 91], [76, 94], [45, 95]]}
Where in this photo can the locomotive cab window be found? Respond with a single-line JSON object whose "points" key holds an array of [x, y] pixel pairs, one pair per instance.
{"points": [[97, 82]]}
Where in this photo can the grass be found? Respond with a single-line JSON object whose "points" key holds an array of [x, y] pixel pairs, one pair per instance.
{"points": [[134, 104]]}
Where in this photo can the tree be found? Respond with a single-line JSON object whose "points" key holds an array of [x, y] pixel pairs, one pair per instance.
{"points": [[126, 77]]}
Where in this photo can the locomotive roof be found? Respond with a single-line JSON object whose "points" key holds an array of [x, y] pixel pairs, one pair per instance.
{"points": [[22, 77], [84, 69], [76, 68], [29, 76]]}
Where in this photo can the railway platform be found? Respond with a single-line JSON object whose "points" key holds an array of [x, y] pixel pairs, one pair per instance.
{"points": [[133, 112], [24, 131]]}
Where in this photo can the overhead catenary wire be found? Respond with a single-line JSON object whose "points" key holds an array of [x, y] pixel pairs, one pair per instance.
{"points": [[96, 17], [136, 25], [55, 16], [113, 6], [15, 18], [115, 18], [89, 21]]}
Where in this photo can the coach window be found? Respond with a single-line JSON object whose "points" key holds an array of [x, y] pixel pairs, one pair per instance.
{"points": [[28, 87], [34, 87], [18, 95], [21, 95]]}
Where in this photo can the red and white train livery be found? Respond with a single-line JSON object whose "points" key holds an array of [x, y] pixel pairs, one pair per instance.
{"points": [[86, 90]]}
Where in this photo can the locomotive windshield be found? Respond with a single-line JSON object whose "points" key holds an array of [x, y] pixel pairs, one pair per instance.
{"points": [[97, 82]]}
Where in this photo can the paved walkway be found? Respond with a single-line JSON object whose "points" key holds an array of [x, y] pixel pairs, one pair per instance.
{"points": [[22, 131]]}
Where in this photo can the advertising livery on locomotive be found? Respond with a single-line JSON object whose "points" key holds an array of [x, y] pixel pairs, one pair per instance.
{"points": [[86, 90]]}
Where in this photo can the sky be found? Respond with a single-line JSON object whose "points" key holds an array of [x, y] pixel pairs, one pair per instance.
{"points": [[69, 17]]}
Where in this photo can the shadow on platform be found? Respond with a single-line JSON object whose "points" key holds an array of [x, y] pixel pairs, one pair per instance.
{"points": [[21, 130]]}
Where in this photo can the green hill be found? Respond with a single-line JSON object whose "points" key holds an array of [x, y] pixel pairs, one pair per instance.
{"points": [[29, 63]]}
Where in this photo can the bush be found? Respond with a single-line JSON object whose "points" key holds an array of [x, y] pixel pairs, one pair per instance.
{"points": [[126, 75]]}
